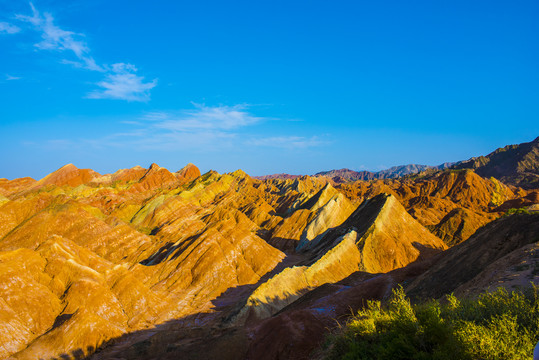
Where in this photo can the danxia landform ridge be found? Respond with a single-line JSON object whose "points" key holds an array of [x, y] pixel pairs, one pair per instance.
{"points": [[146, 263]]}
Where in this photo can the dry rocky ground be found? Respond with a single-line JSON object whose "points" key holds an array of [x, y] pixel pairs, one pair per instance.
{"points": [[153, 264]]}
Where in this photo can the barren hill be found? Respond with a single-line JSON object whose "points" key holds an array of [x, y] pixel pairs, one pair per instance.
{"points": [[347, 175], [513, 164], [150, 263]]}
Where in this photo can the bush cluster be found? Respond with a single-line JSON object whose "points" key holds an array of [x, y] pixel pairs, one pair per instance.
{"points": [[517, 211], [497, 325]]}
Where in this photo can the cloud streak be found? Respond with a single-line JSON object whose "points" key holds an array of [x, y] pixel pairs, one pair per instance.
{"points": [[208, 128], [120, 80], [122, 83], [10, 78], [287, 142], [55, 38], [200, 129], [7, 28], [204, 128], [203, 118]]}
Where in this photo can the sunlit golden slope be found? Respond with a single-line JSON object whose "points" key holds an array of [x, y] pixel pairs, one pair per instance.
{"points": [[90, 260]]}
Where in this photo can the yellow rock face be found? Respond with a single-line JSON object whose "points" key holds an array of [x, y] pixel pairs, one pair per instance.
{"points": [[85, 258], [81, 264], [326, 209], [378, 237]]}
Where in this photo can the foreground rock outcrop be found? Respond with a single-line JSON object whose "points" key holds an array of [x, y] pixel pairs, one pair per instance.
{"points": [[502, 253]]}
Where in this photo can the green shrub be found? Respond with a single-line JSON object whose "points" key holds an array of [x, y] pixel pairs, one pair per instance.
{"points": [[517, 211], [498, 325]]}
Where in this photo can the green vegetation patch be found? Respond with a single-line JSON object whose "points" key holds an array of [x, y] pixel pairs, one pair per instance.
{"points": [[498, 325], [517, 211]]}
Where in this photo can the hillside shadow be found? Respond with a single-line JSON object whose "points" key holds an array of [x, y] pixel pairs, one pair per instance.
{"points": [[224, 333], [174, 339], [193, 337], [169, 251], [286, 245], [218, 334], [425, 251], [221, 335]]}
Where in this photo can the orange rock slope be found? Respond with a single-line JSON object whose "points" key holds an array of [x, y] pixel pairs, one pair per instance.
{"points": [[84, 261], [105, 263]]}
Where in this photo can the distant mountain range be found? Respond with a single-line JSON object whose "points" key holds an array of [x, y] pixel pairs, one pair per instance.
{"points": [[282, 176], [516, 165], [513, 164], [347, 175]]}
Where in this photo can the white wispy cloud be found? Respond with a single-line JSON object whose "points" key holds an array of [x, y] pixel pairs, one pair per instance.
{"points": [[55, 38], [207, 127], [291, 142], [88, 63], [203, 118], [9, 77], [120, 82], [7, 28], [200, 129]]}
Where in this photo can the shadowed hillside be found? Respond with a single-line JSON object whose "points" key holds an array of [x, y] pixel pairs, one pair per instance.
{"points": [[513, 164]]}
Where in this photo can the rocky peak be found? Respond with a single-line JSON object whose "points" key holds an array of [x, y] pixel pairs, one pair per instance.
{"points": [[189, 172], [68, 175]]}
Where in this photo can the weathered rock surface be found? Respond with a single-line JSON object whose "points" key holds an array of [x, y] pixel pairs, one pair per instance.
{"points": [[431, 200], [513, 164], [148, 263], [484, 259], [82, 264], [328, 208], [458, 225], [68, 175], [8, 187], [378, 237], [503, 253]]}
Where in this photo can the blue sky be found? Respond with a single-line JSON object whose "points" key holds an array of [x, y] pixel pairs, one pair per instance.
{"points": [[265, 86]]}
